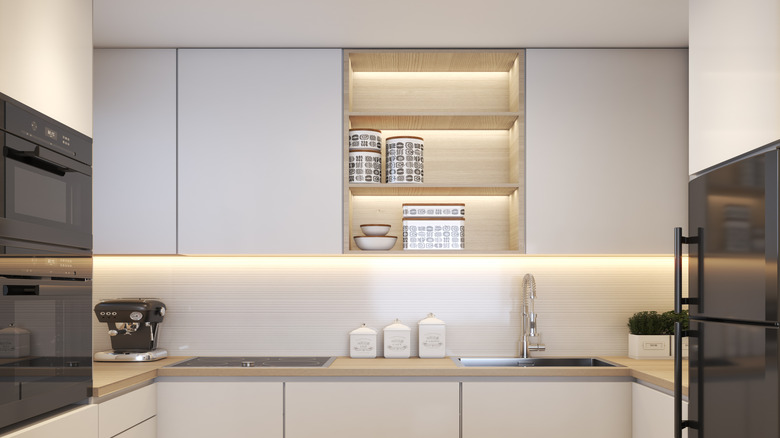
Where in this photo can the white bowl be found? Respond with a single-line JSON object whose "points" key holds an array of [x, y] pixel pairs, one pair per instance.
{"points": [[375, 229], [375, 243]]}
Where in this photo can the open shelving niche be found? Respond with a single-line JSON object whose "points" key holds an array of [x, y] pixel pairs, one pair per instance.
{"points": [[468, 106]]}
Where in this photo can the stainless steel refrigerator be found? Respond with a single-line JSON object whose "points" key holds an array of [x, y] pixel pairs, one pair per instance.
{"points": [[733, 299]]}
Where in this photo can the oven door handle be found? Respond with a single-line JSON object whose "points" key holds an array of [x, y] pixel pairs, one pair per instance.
{"points": [[48, 161]]}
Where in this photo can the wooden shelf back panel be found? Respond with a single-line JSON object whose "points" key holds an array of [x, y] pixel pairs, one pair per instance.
{"points": [[389, 120], [463, 157], [487, 219], [433, 61], [472, 92]]}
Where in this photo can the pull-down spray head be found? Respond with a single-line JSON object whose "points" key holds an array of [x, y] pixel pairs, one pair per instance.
{"points": [[529, 318]]}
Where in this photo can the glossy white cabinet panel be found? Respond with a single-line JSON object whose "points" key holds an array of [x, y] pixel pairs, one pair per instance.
{"points": [[734, 78], [260, 151], [147, 429], [547, 409], [653, 413], [606, 150], [134, 153], [207, 409], [81, 422], [375, 409], [126, 411], [46, 54]]}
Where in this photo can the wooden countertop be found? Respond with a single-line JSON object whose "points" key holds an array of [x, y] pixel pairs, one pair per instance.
{"points": [[114, 376]]}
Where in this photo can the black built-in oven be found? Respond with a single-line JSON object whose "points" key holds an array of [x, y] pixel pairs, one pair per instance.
{"points": [[47, 183], [45, 265]]}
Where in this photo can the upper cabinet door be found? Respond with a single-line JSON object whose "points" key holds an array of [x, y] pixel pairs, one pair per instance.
{"points": [[606, 150], [260, 147], [134, 154]]}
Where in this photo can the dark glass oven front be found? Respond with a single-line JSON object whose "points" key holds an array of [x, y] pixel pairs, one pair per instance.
{"points": [[45, 335]]}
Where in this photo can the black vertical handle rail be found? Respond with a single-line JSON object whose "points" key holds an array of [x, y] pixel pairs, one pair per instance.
{"points": [[678, 422], [679, 240]]}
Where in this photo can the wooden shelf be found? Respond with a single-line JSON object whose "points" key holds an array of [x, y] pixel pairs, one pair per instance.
{"points": [[426, 189], [433, 120], [432, 60], [402, 252], [468, 106]]}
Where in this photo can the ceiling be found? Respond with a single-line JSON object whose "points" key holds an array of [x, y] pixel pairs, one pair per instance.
{"points": [[391, 24]]}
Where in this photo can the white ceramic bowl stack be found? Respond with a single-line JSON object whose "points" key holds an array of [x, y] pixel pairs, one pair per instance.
{"points": [[375, 238]]}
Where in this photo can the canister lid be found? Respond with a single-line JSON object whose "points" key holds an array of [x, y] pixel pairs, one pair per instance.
{"points": [[363, 330], [432, 204], [13, 330], [397, 325], [428, 218], [404, 136], [431, 319], [372, 151], [364, 129]]}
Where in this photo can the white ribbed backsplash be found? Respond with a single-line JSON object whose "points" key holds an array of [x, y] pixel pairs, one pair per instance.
{"points": [[308, 305]]}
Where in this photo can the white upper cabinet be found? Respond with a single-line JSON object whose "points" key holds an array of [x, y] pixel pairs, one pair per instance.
{"points": [[260, 151], [734, 78], [606, 150], [134, 152]]}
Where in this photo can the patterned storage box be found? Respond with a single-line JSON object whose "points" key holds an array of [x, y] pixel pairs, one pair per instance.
{"points": [[434, 233], [433, 210]]}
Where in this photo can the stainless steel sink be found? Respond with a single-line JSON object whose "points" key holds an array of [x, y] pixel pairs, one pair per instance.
{"points": [[532, 362]]}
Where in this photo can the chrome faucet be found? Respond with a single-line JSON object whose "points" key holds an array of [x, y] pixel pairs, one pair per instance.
{"points": [[529, 335]]}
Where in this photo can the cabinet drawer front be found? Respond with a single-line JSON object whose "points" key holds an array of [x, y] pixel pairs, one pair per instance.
{"points": [[126, 411], [147, 429], [78, 423], [375, 409], [206, 409]]}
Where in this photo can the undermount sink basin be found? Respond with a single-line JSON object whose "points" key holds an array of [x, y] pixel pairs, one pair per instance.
{"points": [[532, 362]]}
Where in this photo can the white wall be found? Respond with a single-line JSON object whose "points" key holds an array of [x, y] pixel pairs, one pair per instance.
{"points": [[46, 53], [734, 78], [606, 150], [308, 305]]}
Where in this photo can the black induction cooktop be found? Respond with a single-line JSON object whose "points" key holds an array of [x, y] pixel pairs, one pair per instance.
{"points": [[257, 361]]}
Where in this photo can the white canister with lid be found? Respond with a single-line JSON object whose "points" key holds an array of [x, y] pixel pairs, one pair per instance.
{"points": [[397, 338], [432, 333], [362, 342], [14, 342]]}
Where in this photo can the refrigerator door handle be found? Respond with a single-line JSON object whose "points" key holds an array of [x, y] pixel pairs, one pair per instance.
{"points": [[679, 424], [679, 241]]}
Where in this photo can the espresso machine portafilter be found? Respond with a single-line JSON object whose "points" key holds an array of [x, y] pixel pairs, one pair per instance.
{"points": [[133, 324]]}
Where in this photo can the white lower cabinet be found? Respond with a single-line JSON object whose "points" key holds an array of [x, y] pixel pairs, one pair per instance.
{"points": [[372, 409], [80, 422], [120, 416], [546, 409], [653, 413], [147, 429], [207, 409]]}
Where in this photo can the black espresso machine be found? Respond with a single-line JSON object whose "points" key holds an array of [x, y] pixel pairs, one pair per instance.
{"points": [[133, 324]]}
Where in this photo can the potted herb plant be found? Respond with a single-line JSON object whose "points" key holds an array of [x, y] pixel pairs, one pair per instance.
{"points": [[649, 336]]}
